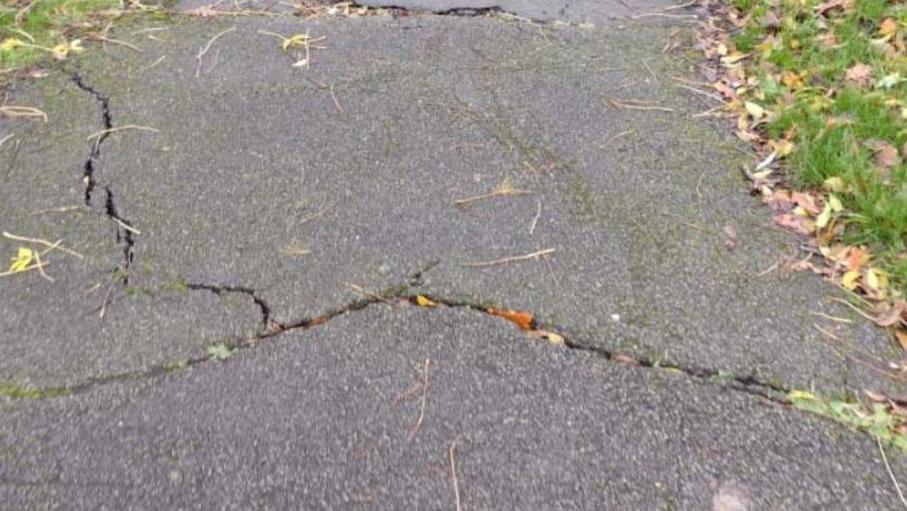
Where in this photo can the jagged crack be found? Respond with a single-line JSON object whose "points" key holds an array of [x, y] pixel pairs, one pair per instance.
{"points": [[264, 309], [125, 232]]}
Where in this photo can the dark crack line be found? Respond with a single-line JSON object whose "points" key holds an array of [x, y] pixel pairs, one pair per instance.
{"points": [[268, 325], [773, 393], [125, 233]]}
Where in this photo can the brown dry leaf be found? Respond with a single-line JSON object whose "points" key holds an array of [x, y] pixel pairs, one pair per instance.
{"points": [[902, 338], [877, 397], [860, 74], [807, 202], [792, 222], [891, 315], [521, 319], [887, 156]]}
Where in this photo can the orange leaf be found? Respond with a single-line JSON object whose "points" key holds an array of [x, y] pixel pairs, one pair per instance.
{"points": [[888, 26], [522, 319], [902, 337], [857, 258]]}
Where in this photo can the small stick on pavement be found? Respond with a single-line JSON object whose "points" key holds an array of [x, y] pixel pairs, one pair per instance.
{"points": [[425, 384], [503, 190], [126, 226], [691, 3], [108, 131], [619, 135], [512, 259], [4, 139], [40, 266], [334, 98], [830, 317], [54, 246], [23, 270], [204, 50], [894, 480], [149, 66], [630, 104], [453, 469], [62, 209], [21, 111], [664, 15], [535, 219], [365, 292], [651, 72], [104, 39]]}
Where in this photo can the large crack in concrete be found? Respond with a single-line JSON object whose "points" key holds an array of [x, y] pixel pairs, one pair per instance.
{"points": [[267, 323], [407, 294], [125, 232]]}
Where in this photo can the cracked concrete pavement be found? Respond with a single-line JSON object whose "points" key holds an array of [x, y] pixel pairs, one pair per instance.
{"points": [[267, 189]]}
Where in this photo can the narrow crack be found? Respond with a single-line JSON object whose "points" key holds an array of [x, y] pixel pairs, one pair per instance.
{"points": [[267, 324], [125, 232], [751, 385]]}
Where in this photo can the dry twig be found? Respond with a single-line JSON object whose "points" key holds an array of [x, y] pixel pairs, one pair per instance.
{"points": [[503, 190], [204, 50], [51, 246], [425, 384], [535, 219], [108, 131], [22, 111], [630, 104], [894, 480], [513, 259], [453, 470]]}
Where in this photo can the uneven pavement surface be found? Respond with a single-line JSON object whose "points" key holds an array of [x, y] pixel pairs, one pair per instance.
{"points": [[294, 214]]}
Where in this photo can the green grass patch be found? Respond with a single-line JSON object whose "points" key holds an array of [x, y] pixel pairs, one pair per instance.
{"points": [[799, 57], [36, 30]]}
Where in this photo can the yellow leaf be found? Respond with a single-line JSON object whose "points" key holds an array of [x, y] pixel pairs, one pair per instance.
{"points": [[876, 279], [824, 217], [835, 204], [23, 258], [755, 111], [834, 184], [422, 301], [849, 281], [295, 40]]}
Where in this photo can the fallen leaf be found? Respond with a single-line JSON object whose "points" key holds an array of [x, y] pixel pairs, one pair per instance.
{"points": [[755, 110], [850, 279], [422, 301], [824, 217], [902, 338], [807, 202], [522, 319], [860, 74], [887, 156], [836, 184], [857, 258], [888, 26], [22, 259], [551, 337], [891, 315], [791, 221]]}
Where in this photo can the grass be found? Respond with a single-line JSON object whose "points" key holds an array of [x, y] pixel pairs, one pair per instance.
{"points": [[32, 31], [800, 61]]}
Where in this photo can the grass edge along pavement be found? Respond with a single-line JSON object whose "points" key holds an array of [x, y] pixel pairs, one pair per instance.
{"points": [[819, 88]]}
